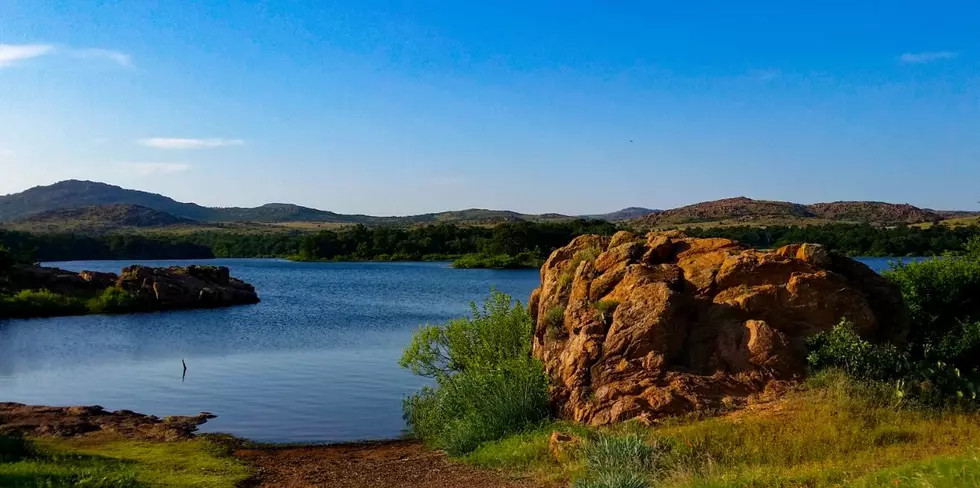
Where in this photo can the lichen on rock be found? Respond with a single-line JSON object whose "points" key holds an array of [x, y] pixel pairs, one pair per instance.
{"points": [[667, 324]]}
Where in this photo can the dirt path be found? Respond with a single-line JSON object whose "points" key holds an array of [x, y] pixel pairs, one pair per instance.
{"points": [[392, 464]]}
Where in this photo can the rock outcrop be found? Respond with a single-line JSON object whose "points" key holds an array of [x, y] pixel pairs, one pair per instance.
{"points": [[150, 288], [642, 327], [36, 420], [185, 287]]}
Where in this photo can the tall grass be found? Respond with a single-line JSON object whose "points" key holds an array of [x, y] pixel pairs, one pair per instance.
{"points": [[487, 384], [117, 463]]}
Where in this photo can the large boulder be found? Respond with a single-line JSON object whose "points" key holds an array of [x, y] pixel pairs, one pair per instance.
{"points": [[639, 327], [185, 287]]}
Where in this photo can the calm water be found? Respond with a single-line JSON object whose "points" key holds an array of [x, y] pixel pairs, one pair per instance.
{"points": [[316, 360]]}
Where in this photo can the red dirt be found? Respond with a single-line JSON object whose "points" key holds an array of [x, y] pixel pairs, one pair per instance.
{"points": [[389, 464]]}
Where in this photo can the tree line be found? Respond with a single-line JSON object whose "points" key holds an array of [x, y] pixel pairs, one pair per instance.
{"points": [[504, 245]]}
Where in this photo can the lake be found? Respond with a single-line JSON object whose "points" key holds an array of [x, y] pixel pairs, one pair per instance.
{"points": [[315, 361]]}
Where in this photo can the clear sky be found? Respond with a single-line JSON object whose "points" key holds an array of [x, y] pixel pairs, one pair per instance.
{"points": [[400, 107]]}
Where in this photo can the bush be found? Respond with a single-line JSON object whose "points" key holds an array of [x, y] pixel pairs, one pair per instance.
{"points": [[487, 384], [941, 294], [112, 300], [14, 448], [842, 348], [554, 322], [924, 381], [468, 409], [40, 303], [605, 309]]}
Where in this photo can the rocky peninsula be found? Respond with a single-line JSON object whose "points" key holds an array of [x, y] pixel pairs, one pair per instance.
{"points": [[32, 291]]}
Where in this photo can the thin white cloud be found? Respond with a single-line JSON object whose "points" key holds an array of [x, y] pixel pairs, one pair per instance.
{"points": [[188, 143], [927, 57], [118, 57], [150, 169], [11, 53]]}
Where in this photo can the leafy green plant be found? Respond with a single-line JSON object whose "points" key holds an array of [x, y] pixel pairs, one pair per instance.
{"points": [[40, 303], [499, 331], [941, 295], [487, 383], [605, 309], [112, 300], [554, 320], [842, 348]]}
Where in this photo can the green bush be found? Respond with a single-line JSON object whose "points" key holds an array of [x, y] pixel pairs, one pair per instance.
{"points": [[526, 259], [605, 309], [554, 320], [40, 303], [14, 448], [941, 294], [842, 348], [487, 384], [112, 300], [924, 381]]}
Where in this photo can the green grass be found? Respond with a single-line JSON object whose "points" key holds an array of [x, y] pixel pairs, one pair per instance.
{"points": [[122, 463], [833, 432], [45, 303]]}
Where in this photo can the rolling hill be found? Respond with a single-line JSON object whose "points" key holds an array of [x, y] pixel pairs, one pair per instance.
{"points": [[72, 194], [97, 219], [93, 207], [742, 210]]}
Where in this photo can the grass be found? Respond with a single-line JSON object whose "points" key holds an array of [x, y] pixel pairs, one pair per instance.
{"points": [[832, 432], [113, 462], [45, 303]]}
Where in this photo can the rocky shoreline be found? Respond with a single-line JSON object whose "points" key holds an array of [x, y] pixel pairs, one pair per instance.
{"points": [[37, 291]]}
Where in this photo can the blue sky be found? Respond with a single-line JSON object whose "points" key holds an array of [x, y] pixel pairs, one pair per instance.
{"points": [[402, 107]]}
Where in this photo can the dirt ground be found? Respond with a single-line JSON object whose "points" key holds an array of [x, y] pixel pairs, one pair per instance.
{"points": [[389, 464]]}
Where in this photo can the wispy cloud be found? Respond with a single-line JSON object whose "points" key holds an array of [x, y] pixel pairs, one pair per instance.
{"points": [[188, 143], [11, 53], [118, 57], [153, 168], [927, 57], [6, 153]]}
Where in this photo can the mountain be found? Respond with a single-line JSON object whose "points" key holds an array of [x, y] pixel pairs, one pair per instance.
{"points": [[628, 213], [87, 204], [874, 212], [737, 209], [742, 210], [98, 219], [74, 194]]}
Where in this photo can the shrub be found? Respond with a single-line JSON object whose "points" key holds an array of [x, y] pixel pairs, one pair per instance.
{"points": [[14, 448], [499, 332], [554, 320], [40, 303], [605, 309], [467, 409], [942, 294], [112, 300], [842, 348], [487, 384]]}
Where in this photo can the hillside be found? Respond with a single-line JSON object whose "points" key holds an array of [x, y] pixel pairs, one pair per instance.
{"points": [[628, 213], [98, 219], [874, 212], [742, 211], [739, 209]]}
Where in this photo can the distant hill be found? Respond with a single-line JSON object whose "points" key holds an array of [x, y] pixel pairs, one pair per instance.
{"points": [[73, 194], [628, 213], [874, 212], [92, 205], [742, 210], [98, 219], [731, 209]]}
